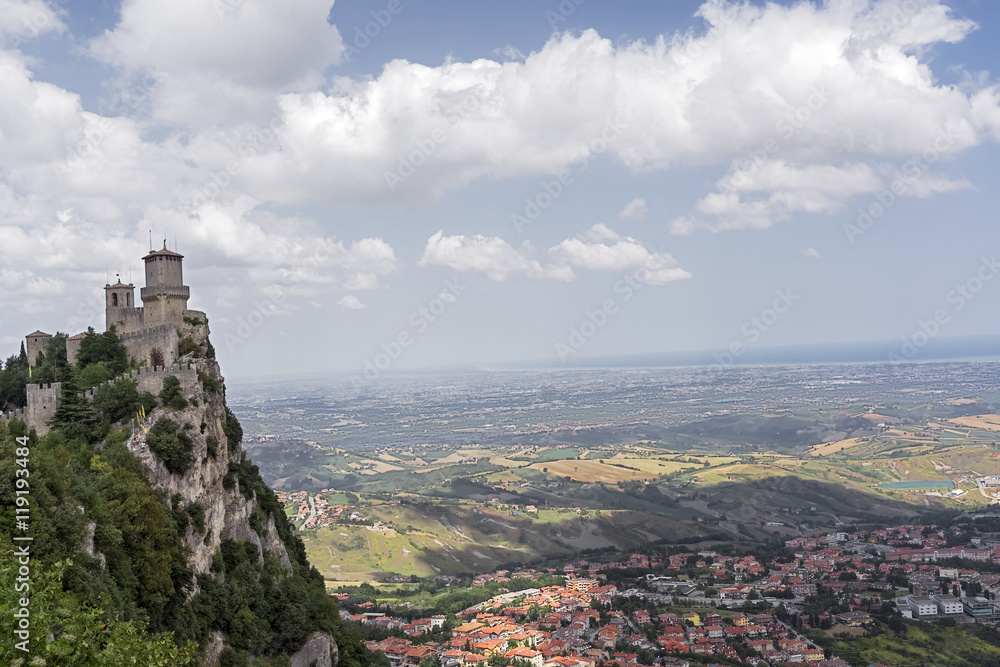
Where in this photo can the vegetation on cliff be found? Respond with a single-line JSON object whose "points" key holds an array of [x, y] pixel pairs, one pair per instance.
{"points": [[111, 581]]}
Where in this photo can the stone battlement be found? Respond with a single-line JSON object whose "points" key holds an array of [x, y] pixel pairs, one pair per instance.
{"points": [[150, 379], [152, 331], [16, 413], [165, 290]]}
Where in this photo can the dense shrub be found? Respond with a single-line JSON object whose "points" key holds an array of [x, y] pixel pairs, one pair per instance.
{"points": [[170, 395], [187, 346], [173, 447]]}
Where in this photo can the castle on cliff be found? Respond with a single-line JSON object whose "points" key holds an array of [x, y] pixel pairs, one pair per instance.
{"points": [[149, 332]]}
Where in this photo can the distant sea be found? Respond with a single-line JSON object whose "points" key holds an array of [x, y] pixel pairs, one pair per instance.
{"points": [[970, 348]]}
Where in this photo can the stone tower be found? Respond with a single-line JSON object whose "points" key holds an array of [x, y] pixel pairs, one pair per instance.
{"points": [[119, 307], [165, 297], [36, 344]]}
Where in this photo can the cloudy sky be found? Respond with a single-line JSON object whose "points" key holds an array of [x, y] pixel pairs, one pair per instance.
{"points": [[406, 183]]}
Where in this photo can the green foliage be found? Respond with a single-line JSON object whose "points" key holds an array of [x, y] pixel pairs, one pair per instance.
{"points": [[13, 379], [102, 349], [197, 514], [173, 447], [51, 365], [68, 633], [922, 644], [193, 321], [120, 400], [262, 609], [94, 375], [256, 521], [187, 346], [170, 394], [251, 484], [74, 415], [211, 383], [234, 432]]}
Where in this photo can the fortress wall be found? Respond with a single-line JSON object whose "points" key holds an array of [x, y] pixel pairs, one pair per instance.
{"points": [[192, 314], [16, 413], [151, 379], [42, 403], [165, 309], [126, 320], [140, 344]]}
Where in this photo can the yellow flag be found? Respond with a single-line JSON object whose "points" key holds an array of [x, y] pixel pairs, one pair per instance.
{"points": [[29, 371]]}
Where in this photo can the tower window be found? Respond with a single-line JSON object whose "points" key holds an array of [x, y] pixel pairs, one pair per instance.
{"points": [[127, 299], [114, 300]]}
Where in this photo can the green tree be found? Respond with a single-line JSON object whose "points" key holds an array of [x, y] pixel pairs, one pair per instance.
{"points": [[94, 375], [68, 633], [51, 365], [118, 401], [170, 395], [74, 416], [104, 349], [13, 379], [172, 446]]}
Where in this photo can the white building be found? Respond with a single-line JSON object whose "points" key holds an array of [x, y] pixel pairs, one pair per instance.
{"points": [[947, 604], [991, 482], [921, 606]]}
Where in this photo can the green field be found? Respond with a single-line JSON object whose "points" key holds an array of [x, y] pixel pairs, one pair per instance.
{"points": [[741, 479]]}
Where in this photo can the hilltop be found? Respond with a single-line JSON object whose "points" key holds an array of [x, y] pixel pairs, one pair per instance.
{"points": [[153, 538]]}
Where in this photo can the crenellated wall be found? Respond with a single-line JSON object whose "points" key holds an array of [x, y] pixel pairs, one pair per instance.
{"points": [[151, 379], [16, 413]]}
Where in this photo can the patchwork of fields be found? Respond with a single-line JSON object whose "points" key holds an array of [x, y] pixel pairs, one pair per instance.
{"points": [[451, 478]]}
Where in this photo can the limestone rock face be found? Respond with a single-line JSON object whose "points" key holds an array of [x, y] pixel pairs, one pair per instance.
{"points": [[227, 511], [213, 650], [88, 545], [320, 648]]}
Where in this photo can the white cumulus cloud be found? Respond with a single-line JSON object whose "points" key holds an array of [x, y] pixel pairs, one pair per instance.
{"points": [[490, 255], [601, 249], [223, 61], [598, 249]]}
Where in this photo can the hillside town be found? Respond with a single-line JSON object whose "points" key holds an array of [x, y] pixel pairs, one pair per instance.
{"points": [[673, 609]]}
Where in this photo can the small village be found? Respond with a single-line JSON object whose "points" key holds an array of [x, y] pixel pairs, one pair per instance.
{"points": [[736, 609]]}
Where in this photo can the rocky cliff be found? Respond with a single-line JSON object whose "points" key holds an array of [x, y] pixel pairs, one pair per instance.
{"points": [[224, 485]]}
